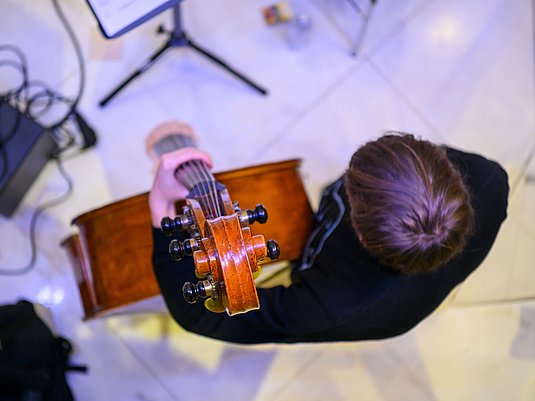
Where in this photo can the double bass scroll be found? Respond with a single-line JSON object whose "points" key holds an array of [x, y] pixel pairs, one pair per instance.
{"points": [[225, 252], [112, 268]]}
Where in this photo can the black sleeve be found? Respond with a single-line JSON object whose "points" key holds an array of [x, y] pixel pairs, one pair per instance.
{"points": [[490, 201], [350, 298], [283, 315]]}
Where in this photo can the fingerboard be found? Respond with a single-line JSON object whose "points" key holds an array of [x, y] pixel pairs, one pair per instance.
{"points": [[194, 175]]}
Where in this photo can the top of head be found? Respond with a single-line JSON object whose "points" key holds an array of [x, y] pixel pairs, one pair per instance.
{"points": [[409, 203]]}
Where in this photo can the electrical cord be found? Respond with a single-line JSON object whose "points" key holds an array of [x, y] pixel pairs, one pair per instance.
{"points": [[20, 65], [34, 99], [81, 64], [33, 222], [3, 139]]}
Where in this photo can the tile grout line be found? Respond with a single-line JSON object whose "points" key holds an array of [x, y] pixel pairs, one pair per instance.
{"points": [[427, 388], [316, 102], [524, 169], [522, 174], [407, 101], [364, 57], [493, 303], [277, 393], [145, 366], [514, 261], [333, 22], [388, 38], [401, 25]]}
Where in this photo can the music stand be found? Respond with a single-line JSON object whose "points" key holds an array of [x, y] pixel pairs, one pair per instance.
{"points": [[179, 38]]}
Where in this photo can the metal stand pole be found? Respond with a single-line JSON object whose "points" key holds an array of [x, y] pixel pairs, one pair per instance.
{"points": [[178, 38]]}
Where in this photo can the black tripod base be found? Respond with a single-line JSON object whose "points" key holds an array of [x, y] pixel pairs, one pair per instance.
{"points": [[178, 41]]}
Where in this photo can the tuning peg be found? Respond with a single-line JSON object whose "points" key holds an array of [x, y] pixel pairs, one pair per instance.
{"points": [[259, 214], [178, 250], [273, 249], [170, 226], [192, 292]]}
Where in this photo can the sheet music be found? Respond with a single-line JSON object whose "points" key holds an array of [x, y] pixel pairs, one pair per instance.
{"points": [[116, 15]]}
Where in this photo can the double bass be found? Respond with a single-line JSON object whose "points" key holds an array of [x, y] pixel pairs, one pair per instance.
{"points": [[226, 255], [111, 252]]}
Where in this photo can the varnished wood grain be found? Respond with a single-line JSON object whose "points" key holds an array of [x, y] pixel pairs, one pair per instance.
{"points": [[111, 254]]}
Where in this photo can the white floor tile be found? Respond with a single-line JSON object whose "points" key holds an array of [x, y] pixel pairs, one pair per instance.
{"points": [[358, 108], [185, 363], [457, 354], [50, 54], [385, 20], [470, 71], [450, 71], [114, 373], [506, 273]]}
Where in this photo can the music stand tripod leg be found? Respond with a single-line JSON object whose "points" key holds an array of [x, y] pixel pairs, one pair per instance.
{"points": [[227, 67], [135, 74], [179, 34], [178, 38]]}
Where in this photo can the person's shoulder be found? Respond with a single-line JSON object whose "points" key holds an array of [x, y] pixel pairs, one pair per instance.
{"points": [[487, 182], [479, 171]]}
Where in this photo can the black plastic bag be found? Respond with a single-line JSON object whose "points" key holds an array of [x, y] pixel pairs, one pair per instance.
{"points": [[33, 362]]}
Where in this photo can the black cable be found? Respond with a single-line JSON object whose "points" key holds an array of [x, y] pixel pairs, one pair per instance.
{"points": [[26, 98], [80, 57], [20, 65], [4, 166], [32, 94], [33, 223], [4, 139]]}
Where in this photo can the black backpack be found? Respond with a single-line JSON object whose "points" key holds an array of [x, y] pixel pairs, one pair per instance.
{"points": [[32, 361]]}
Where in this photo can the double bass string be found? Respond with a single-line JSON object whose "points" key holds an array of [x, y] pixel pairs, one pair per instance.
{"points": [[178, 143], [200, 186], [210, 181], [206, 180], [193, 174], [186, 141], [215, 195], [188, 178]]}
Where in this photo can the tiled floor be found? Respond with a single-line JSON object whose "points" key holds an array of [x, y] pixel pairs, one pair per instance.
{"points": [[454, 71]]}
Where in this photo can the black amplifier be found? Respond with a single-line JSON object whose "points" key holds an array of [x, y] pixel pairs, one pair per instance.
{"points": [[25, 148]]}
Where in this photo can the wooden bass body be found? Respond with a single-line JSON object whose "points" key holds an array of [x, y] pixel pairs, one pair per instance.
{"points": [[111, 253]]}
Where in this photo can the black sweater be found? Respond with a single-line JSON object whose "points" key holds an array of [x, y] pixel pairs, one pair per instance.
{"points": [[339, 292]]}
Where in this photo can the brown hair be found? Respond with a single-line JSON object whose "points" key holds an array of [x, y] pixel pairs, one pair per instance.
{"points": [[409, 204]]}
